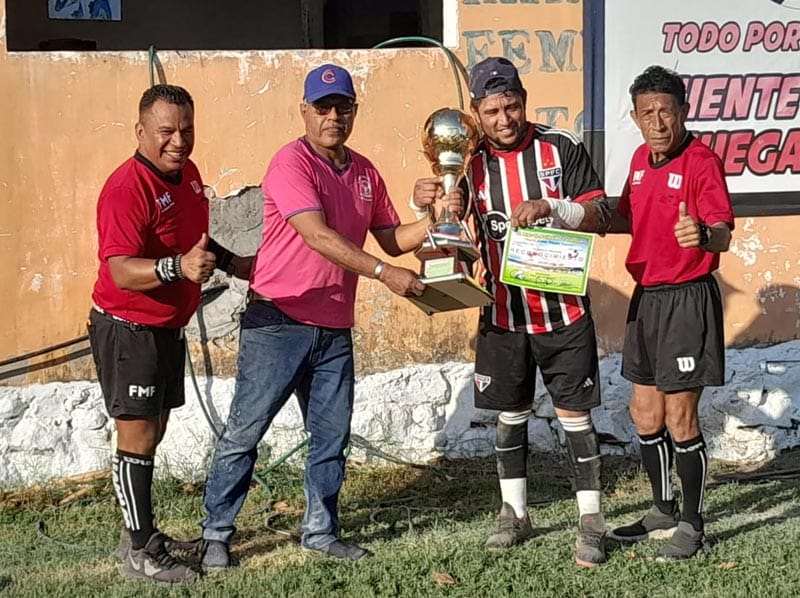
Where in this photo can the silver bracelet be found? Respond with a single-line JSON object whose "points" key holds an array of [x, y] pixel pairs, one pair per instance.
{"points": [[378, 270], [178, 272]]}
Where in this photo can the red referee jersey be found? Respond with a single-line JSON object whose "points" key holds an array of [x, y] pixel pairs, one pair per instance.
{"points": [[141, 213], [693, 174], [548, 163]]}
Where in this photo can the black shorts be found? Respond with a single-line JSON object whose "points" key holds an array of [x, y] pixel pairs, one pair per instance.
{"points": [[506, 362], [674, 337], [140, 368]]}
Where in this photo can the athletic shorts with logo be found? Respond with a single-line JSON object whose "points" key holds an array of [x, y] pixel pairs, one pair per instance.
{"points": [[506, 362], [674, 336], [140, 368]]}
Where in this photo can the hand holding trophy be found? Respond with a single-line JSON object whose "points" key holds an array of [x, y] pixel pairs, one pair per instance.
{"points": [[449, 138]]}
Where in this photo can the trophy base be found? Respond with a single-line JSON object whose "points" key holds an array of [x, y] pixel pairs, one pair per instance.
{"points": [[446, 257], [448, 293]]}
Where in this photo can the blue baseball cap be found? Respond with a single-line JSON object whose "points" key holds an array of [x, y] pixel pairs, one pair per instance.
{"points": [[493, 75], [327, 80]]}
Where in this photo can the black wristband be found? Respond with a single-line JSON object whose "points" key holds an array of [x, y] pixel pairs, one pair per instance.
{"points": [[168, 269], [223, 256], [705, 238]]}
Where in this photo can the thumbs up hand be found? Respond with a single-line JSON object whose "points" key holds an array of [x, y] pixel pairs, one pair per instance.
{"points": [[687, 230], [198, 263]]}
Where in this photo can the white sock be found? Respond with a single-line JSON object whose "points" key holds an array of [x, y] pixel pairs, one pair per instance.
{"points": [[588, 502], [515, 493]]}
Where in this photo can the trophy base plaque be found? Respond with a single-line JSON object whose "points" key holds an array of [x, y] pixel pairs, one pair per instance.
{"points": [[446, 272], [447, 293]]}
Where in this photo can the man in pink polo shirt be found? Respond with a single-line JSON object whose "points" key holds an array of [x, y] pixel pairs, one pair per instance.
{"points": [[320, 200]]}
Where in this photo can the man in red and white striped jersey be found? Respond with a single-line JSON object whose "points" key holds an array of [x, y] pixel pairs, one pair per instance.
{"points": [[526, 174]]}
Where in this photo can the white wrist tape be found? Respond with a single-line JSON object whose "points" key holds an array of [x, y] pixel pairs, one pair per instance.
{"points": [[570, 213], [420, 213]]}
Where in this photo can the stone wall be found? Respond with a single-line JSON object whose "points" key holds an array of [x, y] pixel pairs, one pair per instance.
{"points": [[414, 414]]}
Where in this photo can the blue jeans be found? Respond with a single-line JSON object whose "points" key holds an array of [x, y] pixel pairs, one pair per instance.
{"points": [[279, 356]]}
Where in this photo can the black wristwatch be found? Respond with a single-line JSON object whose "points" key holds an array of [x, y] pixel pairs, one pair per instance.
{"points": [[705, 236]]}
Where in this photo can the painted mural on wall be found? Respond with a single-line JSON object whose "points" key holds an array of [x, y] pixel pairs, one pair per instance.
{"points": [[95, 10], [543, 39]]}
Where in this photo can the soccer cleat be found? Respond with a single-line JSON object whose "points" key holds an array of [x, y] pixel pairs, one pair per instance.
{"points": [[590, 547], [216, 556], [342, 550], [154, 564], [511, 530], [652, 526], [684, 544]]}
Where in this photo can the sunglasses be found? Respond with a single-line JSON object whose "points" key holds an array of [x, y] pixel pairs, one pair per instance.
{"points": [[342, 108]]}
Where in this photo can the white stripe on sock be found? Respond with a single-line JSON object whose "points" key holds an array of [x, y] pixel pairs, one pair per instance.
{"points": [[135, 525], [704, 461], [123, 501], [576, 424]]}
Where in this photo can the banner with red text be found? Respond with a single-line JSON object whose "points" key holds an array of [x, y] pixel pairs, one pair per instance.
{"points": [[741, 65]]}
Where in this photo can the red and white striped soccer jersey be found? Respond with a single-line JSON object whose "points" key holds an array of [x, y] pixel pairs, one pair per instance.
{"points": [[548, 163]]}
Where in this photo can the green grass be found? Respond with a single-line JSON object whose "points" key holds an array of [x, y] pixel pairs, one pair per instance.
{"points": [[427, 528]]}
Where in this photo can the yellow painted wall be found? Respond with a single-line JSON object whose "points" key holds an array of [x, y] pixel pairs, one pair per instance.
{"points": [[67, 122]]}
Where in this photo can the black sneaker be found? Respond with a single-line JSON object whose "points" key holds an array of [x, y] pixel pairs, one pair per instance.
{"points": [[652, 526], [154, 564], [216, 556], [590, 547], [187, 548], [342, 550], [684, 544], [511, 530]]}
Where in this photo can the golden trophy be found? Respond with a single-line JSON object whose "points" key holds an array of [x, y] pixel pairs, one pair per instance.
{"points": [[449, 138]]}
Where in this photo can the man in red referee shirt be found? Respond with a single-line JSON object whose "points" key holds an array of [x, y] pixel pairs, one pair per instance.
{"points": [[677, 208], [526, 174], [154, 252]]}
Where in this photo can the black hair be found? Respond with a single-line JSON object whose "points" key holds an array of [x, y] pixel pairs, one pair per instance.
{"points": [[657, 79], [172, 94]]}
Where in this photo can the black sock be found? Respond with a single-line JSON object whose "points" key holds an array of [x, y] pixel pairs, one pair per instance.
{"points": [[133, 480], [656, 452], [691, 462]]}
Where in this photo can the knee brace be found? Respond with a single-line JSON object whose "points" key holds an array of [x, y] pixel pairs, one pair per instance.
{"points": [[511, 444], [584, 451]]}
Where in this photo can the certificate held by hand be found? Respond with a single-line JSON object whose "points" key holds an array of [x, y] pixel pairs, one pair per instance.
{"points": [[547, 259]]}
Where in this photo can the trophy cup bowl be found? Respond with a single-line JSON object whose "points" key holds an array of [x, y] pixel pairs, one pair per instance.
{"points": [[449, 138]]}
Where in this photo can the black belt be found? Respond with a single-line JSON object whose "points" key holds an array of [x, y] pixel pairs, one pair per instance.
{"points": [[254, 296], [176, 332]]}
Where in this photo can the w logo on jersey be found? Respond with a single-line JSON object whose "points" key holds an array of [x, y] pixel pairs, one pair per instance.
{"points": [[674, 181], [685, 364], [638, 175]]}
